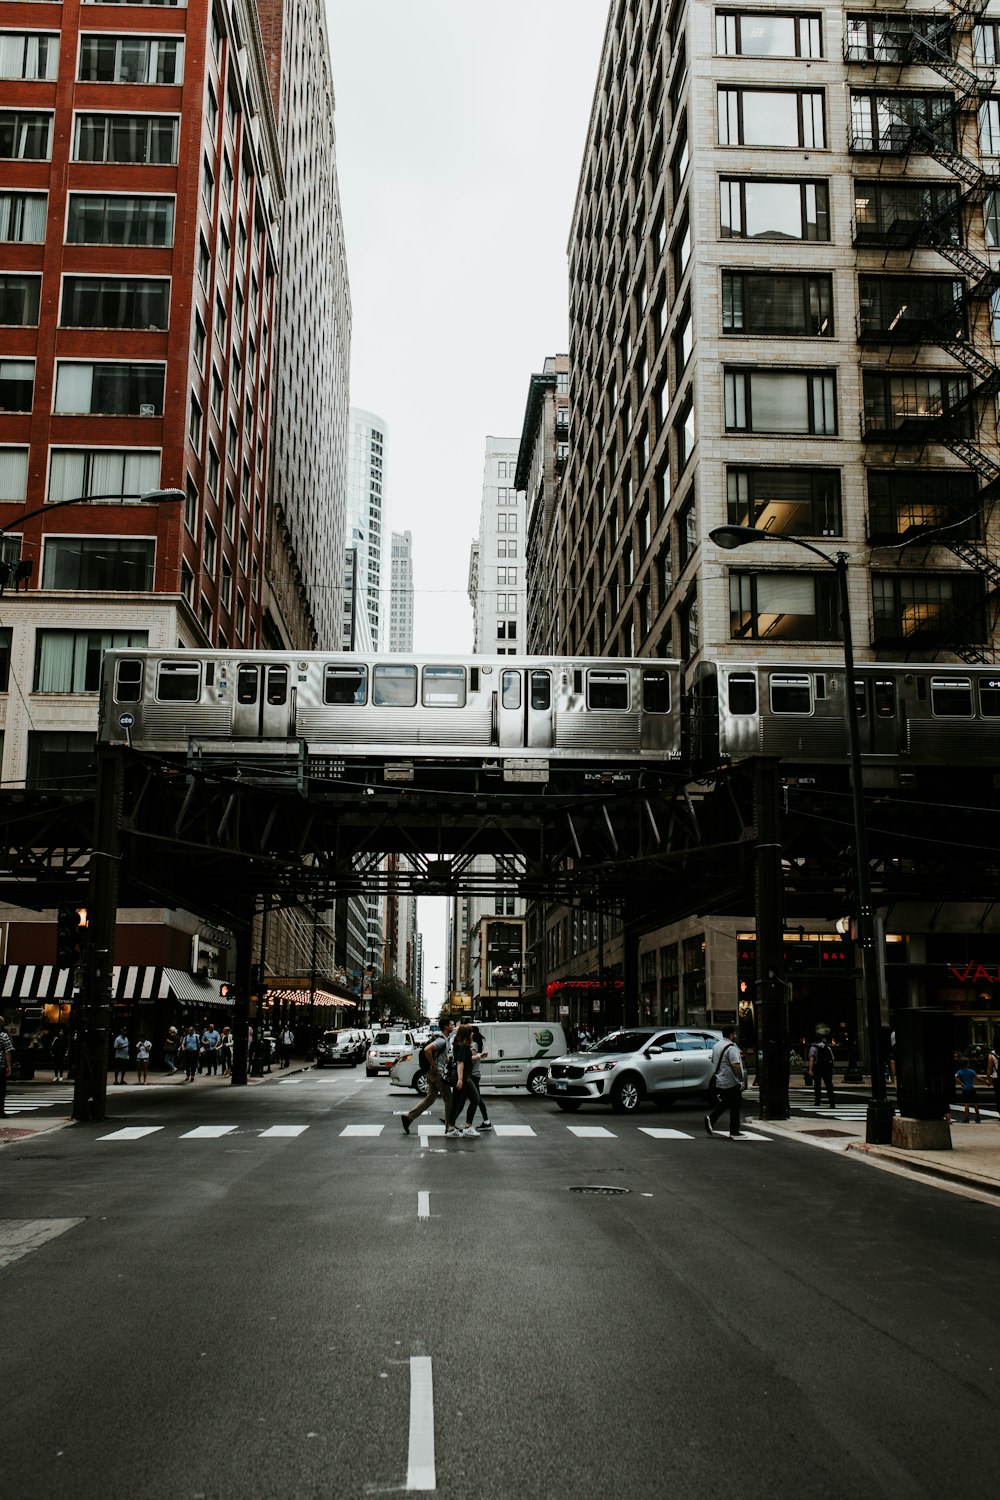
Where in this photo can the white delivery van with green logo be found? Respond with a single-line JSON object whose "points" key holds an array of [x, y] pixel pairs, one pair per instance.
{"points": [[517, 1056]]}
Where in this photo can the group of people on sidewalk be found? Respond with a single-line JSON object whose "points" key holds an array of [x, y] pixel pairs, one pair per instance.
{"points": [[453, 1074]]}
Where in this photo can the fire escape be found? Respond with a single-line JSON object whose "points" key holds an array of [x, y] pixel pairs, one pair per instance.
{"points": [[908, 221]]}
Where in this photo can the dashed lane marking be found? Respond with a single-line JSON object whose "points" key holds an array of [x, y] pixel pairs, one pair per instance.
{"points": [[423, 1205], [421, 1471]]}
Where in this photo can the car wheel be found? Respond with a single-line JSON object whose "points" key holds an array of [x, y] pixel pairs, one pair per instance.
{"points": [[626, 1096], [354, 1062], [569, 1104], [318, 1063], [371, 1072], [536, 1082], [421, 1085]]}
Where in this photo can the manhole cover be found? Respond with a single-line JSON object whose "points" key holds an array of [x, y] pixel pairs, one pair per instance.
{"points": [[845, 1134], [608, 1192]]}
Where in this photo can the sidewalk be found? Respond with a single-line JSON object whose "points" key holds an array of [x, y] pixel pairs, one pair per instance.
{"points": [[22, 1127], [973, 1161]]}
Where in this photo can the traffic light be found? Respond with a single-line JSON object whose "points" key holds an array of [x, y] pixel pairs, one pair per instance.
{"points": [[70, 924]]}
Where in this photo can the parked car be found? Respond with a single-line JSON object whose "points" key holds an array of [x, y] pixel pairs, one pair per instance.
{"points": [[517, 1055], [385, 1047], [662, 1065], [341, 1049]]}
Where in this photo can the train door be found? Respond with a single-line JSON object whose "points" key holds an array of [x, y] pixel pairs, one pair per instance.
{"points": [[263, 701], [510, 709], [538, 709], [878, 715]]}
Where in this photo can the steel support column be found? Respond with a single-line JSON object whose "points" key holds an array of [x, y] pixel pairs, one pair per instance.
{"points": [[243, 932], [90, 1085], [772, 1001]]}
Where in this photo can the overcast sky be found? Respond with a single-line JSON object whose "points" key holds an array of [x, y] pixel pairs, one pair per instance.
{"points": [[460, 131]]}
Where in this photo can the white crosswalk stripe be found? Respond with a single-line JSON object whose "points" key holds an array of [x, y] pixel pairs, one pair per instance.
{"points": [[131, 1133], [588, 1132], [660, 1133], [207, 1132], [282, 1130], [362, 1130]]}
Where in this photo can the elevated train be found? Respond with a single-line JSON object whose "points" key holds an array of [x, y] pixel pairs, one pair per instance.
{"points": [[522, 710]]}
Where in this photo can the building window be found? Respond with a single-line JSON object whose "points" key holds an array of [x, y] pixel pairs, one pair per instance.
{"points": [[683, 341], [17, 384], [124, 138], [682, 250], [900, 122], [29, 54], [907, 500], [204, 263], [13, 477], [742, 34], [109, 389], [687, 532], [69, 661], [114, 302], [787, 502], [212, 468], [208, 550], [761, 209], [101, 564], [771, 117], [19, 300], [896, 212], [199, 342], [791, 401], [131, 59], [690, 628], [191, 507], [226, 584], [684, 428], [119, 219], [207, 184], [187, 583], [86, 473], [904, 405], [985, 43], [788, 606], [229, 513], [22, 218], [773, 302], [60, 761], [935, 609], [909, 309], [25, 135]]}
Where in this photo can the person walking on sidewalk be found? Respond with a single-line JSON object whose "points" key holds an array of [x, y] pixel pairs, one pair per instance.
{"points": [[286, 1037], [965, 1076], [436, 1055], [227, 1052], [730, 1080], [121, 1056], [142, 1051], [190, 1050], [6, 1064], [993, 1070], [170, 1051], [462, 1054], [57, 1052], [821, 1070]]}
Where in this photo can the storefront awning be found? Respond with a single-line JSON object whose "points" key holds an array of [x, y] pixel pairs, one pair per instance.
{"points": [[142, 984]]}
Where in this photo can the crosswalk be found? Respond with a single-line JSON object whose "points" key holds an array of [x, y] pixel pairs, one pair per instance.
{"points": [[372, 1132], [47, 1096]]}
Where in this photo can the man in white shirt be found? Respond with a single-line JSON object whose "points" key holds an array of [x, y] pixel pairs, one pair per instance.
{"points": [[730, 1080]]}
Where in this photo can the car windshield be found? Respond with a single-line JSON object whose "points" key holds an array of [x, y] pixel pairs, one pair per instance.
{"points": [[329, 1037], [623, 1041]]}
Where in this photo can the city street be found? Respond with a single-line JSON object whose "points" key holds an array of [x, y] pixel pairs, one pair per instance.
{"points": [[274, 1292]]}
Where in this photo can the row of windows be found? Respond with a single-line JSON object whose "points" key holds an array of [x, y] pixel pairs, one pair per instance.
{"points": [[804, 606], [867, 38], [100, 389], [788, 693]]}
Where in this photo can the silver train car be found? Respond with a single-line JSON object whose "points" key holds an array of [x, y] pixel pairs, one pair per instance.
{"points": [[922, 713], [341, 705]]}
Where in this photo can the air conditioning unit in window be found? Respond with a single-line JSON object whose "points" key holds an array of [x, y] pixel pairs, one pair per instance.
{"points": [[147, 409]]}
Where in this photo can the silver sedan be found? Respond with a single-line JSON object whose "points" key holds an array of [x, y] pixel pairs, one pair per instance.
{"points": [[625, 1068]]}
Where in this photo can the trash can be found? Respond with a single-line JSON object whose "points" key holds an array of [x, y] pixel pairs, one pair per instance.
{"points": [[925, 1062]]}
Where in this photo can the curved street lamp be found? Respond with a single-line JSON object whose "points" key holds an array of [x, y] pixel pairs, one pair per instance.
{"points": [[880, 1110]]}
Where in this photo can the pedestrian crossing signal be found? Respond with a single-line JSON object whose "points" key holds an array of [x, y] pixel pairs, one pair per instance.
{"points": [[71, 922]]}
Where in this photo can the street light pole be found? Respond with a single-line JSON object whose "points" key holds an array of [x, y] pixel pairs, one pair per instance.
{"points": [[880, 1111]]}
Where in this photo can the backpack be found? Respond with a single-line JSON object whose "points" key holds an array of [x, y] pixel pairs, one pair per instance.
{"points": [[823, 1056]]}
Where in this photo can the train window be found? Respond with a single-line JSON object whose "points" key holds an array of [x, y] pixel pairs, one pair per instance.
{"points": [[345, 684], [394, 687], [541, 690], [885, 698], [577, 681], [820, 681], [742, 694], [951, 698], [607, 689], [989, 697], [656, 691], [444, 687], [860, 698], [246, 684], [510, 690], [178, 682], [277, 685], [128, 681], [790, 695]]}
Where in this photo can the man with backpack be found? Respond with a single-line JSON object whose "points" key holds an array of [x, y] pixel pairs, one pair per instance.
{"points": [[821, 1069], [438, 1087], [730, 1079]]}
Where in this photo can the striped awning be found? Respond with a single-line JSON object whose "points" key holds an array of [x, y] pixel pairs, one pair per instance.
{"points": [[24, 984]]}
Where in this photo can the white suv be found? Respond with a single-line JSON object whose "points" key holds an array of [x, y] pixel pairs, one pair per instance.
{"points": [[385, 1047]]}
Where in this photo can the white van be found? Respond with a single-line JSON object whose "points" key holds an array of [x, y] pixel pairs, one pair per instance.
{"points": [[517, 1056]]}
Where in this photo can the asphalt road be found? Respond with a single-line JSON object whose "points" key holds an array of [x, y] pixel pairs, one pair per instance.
{"points": [[249, 1315]]}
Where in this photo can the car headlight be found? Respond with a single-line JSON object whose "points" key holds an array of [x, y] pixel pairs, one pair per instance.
{"points": [[600, 1067]]}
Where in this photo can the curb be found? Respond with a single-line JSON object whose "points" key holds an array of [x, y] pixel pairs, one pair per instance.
{"points": [[928, 1169]]}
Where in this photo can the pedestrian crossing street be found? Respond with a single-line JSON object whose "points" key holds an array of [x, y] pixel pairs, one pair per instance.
{"points": [[423, 1133]]}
